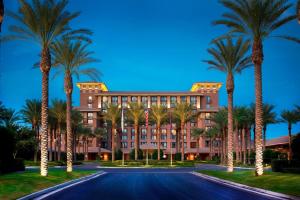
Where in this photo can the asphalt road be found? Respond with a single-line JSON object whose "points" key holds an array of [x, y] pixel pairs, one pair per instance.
{"points": [[150, 184]]}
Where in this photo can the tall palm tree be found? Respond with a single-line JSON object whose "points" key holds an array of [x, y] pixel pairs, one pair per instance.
{"points": [[230, 58], [269, 117], [290, 117], [113, 115], [197, 133], [10, 118], [136, 114], [184, 113], [58, 112], [76, 124], [69, 56], [43, 21], [31, 113], [256, 19], [158, 114]]}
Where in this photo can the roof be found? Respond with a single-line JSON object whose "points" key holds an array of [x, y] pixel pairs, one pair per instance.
{"points": [[278, 141]]}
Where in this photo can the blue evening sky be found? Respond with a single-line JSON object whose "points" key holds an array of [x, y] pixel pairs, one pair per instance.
{"points": [[155, 45]]}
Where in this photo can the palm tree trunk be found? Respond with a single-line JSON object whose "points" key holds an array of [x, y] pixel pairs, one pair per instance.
{"points": [[36, 150], [113, 142], [178, 133], [59, 142], [244, 145], [136, 141], [257, 58], [290, 154], [236, 144], [69, 151], [182, 141], [158, 139], [45, 66], [249, 145], [50, 144], [265, 137], [230, 89]]}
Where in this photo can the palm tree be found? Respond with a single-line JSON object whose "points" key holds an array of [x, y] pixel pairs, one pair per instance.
{"points": [[10, 118], [1, 12], [69, 56], [211, 133], [184, 113], [31, 113], [158, 114], [58, 112], [221, 120], [290, 117], [136, 113], [43, 21], [230, 58], [76, 124], [298, 11], [197, 133], [269, 117], [100, 133], [256, 19], [112, 115]]}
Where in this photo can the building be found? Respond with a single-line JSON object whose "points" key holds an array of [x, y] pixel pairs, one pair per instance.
{"points": [[95, 96], [280, 144]]}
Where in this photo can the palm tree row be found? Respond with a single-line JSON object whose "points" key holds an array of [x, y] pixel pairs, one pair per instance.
{"points": [[47, 23], [254, 20]]}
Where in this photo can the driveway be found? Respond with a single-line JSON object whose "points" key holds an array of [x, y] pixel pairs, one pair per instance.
{"points": [[150, 184]]}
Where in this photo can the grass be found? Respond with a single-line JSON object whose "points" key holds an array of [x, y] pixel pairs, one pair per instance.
{"points": [[274, 181], [50, 164], [18, 184]]}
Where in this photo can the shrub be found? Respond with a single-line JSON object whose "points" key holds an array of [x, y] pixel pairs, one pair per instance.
{"points": [[177, 156], [140, 154], [12, 165], [154, 155], [296, 147], [118, 154], [286, 166], [80, 156]]}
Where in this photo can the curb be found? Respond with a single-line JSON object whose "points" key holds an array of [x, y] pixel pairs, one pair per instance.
{"points": [[51, 190], [247, 188]]}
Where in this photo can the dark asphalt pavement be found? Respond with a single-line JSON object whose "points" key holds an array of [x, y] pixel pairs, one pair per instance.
{"points": [[150, 184]]}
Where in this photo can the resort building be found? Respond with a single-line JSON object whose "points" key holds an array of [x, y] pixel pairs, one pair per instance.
{"points": [[95, 96]]}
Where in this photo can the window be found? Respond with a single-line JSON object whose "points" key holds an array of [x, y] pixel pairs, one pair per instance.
{"points": [[173, 101], [153, 100], [90, 105], [134, 99], [132, 134], [208, 100], [183, 99], [163, 101], [145, 102], [163, 145], [154, 144], [114, 100], [124, 145], [193, 145], [193, 100], [90, 115], [124, 137], [144, 134], [173, 144], [153, 136], [163, 135], [90, 100], [90, 121], [143, 143], [104, 102], [207, 115], [173, 135], [207, 121], [132, 145], [206, 143], [124, 101]]}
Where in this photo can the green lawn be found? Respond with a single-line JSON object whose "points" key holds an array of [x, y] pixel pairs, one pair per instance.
{"points": [[274, 181], [18, 184]]}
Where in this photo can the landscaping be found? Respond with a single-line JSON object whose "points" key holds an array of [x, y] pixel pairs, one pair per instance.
{"points": [[18, 184], [151, 163], [278, 182]]}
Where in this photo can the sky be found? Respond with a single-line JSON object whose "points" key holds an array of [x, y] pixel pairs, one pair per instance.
{"points": [[156, 45]]}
